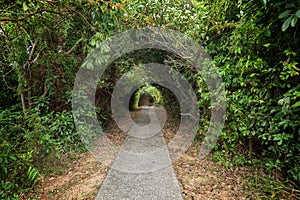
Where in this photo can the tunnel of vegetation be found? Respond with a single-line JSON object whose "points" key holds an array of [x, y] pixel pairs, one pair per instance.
{"points": [[254, 44], [146, 95], [126, 65]]}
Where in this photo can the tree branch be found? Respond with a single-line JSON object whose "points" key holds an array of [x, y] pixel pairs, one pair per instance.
{"points": [[5, 19], [3, 78], [32, 50], [77, 42], [86, 21]]}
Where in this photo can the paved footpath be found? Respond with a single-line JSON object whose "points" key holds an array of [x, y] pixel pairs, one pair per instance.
{"points": [[142, 169]]}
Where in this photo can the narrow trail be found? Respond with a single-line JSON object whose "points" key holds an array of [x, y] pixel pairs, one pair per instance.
{"points": [[143, 168], [83, 177]]}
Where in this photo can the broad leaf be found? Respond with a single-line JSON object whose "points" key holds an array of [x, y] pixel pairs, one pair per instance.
{"points": [[297, 104], [25, 7], [284, 14], [294, 21], [286, 23], [298, 13]]}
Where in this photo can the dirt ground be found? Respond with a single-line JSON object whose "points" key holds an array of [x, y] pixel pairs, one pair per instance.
{"points": [[199, 178]]}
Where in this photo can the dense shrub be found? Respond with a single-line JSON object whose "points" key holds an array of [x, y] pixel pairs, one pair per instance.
{"points": [[30, 144], [258, 56]]}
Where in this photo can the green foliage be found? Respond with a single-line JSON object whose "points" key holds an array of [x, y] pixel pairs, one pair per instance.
{"points": [[28, 143], [258, 59], [16, 158], [152, 91], [255, 45], [289, 16], [43, 44]]}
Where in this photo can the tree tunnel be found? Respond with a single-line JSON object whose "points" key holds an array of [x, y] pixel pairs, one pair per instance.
{"points": [[150, 93], [146, 95], [145, 100], [155, 95]]}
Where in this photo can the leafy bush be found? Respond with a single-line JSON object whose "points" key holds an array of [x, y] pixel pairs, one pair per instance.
{"points": [[29, 144], [259, 64]]}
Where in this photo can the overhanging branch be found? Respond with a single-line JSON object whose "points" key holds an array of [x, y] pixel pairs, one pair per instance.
{"points": [[6, 19]]}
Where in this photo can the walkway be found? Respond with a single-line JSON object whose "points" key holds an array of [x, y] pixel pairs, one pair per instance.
{"points": [[142, 169]]}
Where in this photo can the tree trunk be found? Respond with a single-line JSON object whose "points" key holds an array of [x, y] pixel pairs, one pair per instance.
{"points": [[23, 102]]}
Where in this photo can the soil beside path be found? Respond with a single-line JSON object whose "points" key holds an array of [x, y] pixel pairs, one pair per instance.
{"points": [[198, 178]]}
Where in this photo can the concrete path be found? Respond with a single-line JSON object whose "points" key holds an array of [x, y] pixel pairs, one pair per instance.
{"points": [[142, 169]]}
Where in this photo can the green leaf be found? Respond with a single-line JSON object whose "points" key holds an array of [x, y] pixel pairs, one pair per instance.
{"points": [[284, 14], [294, 21], [267, 45], [268, 32], [25, 7], [286, 23], [4, 170], [32, 173], [13, 158], [297, 104], [93, 42], [298, 13]]}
